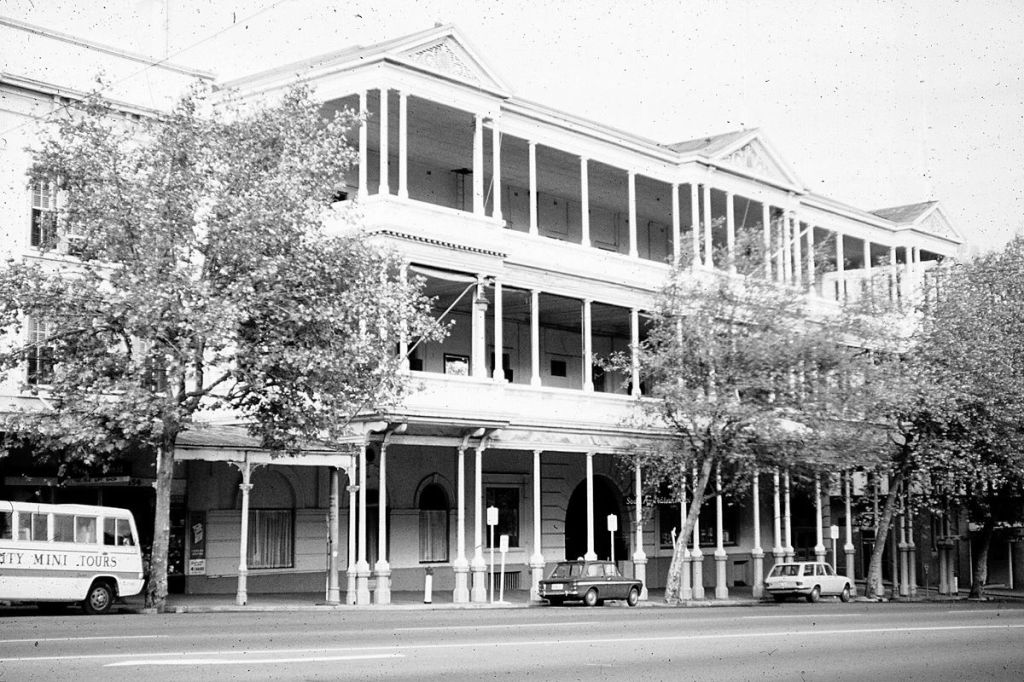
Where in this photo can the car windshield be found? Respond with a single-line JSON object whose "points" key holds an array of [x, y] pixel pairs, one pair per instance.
{"points": [[786, 570], [567, 570]]}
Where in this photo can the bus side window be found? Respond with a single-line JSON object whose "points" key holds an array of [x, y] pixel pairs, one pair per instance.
{"points": [[109, 537], [6, 526], [63, 528], [124, 533], [39, 522], [85, 529]]}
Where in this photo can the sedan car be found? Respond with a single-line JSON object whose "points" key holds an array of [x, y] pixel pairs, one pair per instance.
{"points": [[591, 582], [810, 579]]}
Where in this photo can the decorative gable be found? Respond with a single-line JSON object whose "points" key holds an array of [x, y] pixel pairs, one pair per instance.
{"points": [[754, 157], [937, 224], [448, 57]]}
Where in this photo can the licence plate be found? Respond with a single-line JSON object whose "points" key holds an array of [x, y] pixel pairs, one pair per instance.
{"points": [[557, 586]]}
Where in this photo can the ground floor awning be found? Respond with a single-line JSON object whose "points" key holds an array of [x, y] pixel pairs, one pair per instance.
{"points": [[233, 443]]}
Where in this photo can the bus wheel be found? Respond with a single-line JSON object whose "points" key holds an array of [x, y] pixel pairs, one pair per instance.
{"points": [[99, 600]]}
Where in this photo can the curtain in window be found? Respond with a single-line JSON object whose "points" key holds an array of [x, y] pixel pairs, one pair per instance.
{"points": [[270, 538]]}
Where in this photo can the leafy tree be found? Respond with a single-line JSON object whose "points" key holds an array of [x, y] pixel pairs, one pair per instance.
{"points": [[747, 374], [211, 274], [973, 348]]}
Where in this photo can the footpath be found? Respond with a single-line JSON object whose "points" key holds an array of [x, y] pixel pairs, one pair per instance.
{"points": [[442, 600]]}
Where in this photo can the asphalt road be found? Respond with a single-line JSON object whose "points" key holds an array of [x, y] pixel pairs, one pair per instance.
{"points": [[826, 641]]}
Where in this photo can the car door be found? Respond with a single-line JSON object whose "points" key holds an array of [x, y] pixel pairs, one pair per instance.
{"points": [[615, 586]]}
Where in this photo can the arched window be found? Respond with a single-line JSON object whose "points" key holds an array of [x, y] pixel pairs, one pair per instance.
{"points": [[433, 524]]}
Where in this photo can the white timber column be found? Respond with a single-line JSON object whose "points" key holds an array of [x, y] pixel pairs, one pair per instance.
{"points": [[894, 280], [676, 228], [496, 170], [848, 546], [787, 248], [479, 567], [499, 334], [780, 248], [686, 589], [382, 187], [798, 261], [403, 337], [766, 227], [721, 586], [537, 558], [591, 555], [631, 176], [350, 571], [478, 165], [696, 555], [242, 595], [757, 552], [788, 549], [534, 337], [478, 346], [730, 230], [364, 154], [334, 530], [639, 556], [461, 566], [904, 549], [403, 145], [709, 260], [362, 566], [912, 551], [584, 202], [945, 584], [588, 347], [695, 222], [869, 285], [778, 550], [634, 327], [382, 569], [819, 537], [810, 257], [840, 269], [533, 188]]}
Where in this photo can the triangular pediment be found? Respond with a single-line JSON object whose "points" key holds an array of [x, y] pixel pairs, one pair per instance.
{"points": [[936, 223], [754, 157], [448, 54]]}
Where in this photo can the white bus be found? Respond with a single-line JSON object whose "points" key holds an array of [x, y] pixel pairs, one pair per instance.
{"points": [[63, 553]]}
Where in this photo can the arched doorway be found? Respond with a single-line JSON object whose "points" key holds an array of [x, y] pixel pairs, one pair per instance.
{"points": [[606, 501]]}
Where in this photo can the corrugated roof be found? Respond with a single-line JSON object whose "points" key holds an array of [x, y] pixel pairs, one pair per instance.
{"points": [[235, 437], [902, 215]]}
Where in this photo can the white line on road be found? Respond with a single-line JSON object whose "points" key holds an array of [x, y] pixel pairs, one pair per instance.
{"points": [[250, 661], [79, 639], [573, 623], [581, 641], [813, 616]]}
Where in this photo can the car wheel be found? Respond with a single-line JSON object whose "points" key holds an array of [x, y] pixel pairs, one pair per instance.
{"points": [[99, 600], [590, 598], [633, 597], [844, 596], [815, 595], [779, 597]]}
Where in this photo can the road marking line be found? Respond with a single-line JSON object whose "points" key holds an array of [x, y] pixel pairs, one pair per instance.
{"points": [[250, 661], [801, 615], [528, 643], [573, 623], [80, 639]]}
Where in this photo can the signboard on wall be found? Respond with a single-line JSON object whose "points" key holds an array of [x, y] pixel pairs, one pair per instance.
{"points": [[197, 543]]}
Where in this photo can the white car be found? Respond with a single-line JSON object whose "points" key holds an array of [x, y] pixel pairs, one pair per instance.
{"points": [[810, 579]]}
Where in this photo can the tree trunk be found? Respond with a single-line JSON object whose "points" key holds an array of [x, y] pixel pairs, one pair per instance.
{"points": [[981, 559], [673, 587], [874, 589], [156, 592]]}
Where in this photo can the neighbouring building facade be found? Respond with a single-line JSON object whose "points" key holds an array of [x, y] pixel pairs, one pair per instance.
{"points": [[543, 237]]}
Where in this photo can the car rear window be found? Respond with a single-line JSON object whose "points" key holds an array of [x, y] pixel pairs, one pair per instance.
{"points": [[786, 570]]}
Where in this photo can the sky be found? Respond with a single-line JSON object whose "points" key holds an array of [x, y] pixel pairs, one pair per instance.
{"points": [[872, 103]]}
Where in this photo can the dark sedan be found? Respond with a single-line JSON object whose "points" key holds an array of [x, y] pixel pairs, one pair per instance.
{"points": [[591, 582]]}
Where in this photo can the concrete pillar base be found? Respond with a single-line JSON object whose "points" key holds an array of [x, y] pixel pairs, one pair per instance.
{"points": [[758, 588], [697, 563], [460, 595], [536, 575], [363, 584], [721, 581], [640, 573], [478, 595], [382, 593]]}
